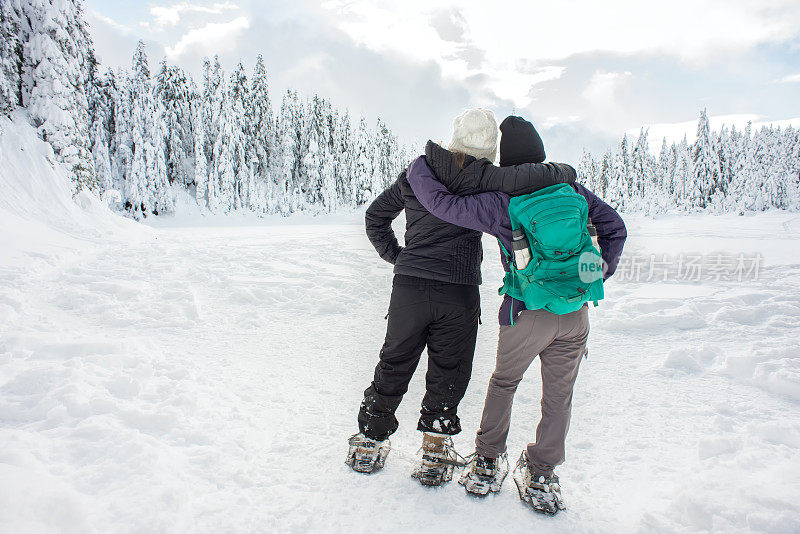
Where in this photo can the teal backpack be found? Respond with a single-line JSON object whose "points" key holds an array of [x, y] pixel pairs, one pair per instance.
{"points": [[565, 270]]}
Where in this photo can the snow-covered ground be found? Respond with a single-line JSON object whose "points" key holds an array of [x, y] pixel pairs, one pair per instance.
{"points": [[204, 378]]}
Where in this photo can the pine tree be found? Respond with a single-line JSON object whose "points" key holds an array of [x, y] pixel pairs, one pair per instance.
{"points": [[240, 101], [736, 200], [330, 169], [173, 93], [621, 188], [670, 170], [223, 176], [213, 101], [288, 156], [10, 56], [261, 138], [344, 160], [662, 167], [684, 176], [772, 185], [706, 165], [386, 167], [147, 186], [54, 73], [102, 96], [641, 178], [586, 173], [363, 164], [313, 153], [791, 144], [606, 173], [200, 158]]}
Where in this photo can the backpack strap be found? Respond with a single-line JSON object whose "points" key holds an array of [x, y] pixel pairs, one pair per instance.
{"points": [[508, 256], [513, 268]]}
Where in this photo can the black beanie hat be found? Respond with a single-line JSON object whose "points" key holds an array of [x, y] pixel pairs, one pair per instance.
{"points": [[520, 142]]}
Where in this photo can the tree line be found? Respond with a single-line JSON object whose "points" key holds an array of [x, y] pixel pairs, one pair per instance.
{"points": [[722, 171], [145, 135]]}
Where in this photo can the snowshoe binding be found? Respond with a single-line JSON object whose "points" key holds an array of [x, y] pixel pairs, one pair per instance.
{"points": [[542, 493], [367, 455], [484, 475], [438, 460]]}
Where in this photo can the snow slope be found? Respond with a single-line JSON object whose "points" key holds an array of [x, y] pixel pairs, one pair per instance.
{"points": [[205, 379], [41, 221]]}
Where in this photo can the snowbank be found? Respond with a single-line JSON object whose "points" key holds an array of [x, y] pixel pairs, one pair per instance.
{"points": [[40, 218]]}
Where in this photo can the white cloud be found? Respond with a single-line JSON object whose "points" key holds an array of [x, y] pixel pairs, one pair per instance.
{"points": [[603, 86], [689, 29], [555, 120], [539, 34], [170, 15], [421, 31], [213, 36], [111, 22], [792, 78]]}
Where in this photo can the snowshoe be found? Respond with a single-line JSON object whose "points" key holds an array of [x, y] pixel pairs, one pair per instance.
{"points": [[484, 475], [367, 455], [542, 494], [438, 460]]}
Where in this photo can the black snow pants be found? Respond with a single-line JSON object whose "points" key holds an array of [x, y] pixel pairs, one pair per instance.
{"points": [[422, 312]]}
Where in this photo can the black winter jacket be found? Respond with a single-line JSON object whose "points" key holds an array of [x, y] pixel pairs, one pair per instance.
{"points": [[438, 250]]}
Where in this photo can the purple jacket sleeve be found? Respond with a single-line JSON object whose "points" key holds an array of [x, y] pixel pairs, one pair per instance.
{"points": [[611, 231], [482, 212]]}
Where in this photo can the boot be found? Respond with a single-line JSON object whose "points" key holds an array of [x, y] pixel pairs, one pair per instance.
{"points": [[437, 460], [367, 455], [484, 474], [540, 491]]}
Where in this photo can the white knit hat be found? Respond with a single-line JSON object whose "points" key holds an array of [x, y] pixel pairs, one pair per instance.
{"points": [[475, 133]]}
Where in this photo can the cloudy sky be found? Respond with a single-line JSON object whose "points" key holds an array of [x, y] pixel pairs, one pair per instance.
{"points": [[583, 71]]}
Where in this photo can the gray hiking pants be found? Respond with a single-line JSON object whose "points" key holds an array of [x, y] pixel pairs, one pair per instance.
{"points": [[560, 342]]}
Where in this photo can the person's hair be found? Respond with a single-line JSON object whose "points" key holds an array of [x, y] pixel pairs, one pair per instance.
{"points": [[460, 158]]}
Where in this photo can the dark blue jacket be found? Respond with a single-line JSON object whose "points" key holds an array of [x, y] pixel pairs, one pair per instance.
{"points": [[488, 212]]}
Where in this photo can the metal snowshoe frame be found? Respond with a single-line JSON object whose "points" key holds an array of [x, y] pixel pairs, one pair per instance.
{"points": [[442, 467], [543, 497], [366, 455], [480, 484]]}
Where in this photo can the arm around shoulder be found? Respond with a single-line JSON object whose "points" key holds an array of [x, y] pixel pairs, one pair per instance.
{"points": [[527, 178]]}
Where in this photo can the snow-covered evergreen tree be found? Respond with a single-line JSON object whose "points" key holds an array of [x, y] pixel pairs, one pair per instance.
{"points": [[147, 186], [289, 137], [791, 157], [239, 102], [54, 73], [174, 95], [314, 150], [101, 98], [200, 157], [344, 161], [363, 172], [260, 125], [10, 56], [707, 173]]}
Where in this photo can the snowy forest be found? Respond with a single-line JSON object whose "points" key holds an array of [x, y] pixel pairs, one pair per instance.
{"points": [[725, 171], [145, 134]]}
